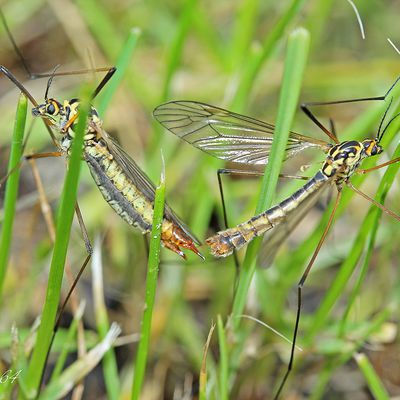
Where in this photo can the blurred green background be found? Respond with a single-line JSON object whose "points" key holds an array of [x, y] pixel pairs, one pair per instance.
{"points": [[229, 54]]}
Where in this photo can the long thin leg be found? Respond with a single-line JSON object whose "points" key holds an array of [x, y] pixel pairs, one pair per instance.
{"points": [[18, 84], [82, 225], [306, 272], [46, 210], [50, 221], [332, 126], [89, 250], [308, 112], [305, 108], [299, 293], [71, 290], [374, 202], [44, 203], [109, 74], [48, 154], [83, 71], [111, 71], [14, 44], [25, 91], [385, 164], [28, 158], [224, 213], [20, 163]]}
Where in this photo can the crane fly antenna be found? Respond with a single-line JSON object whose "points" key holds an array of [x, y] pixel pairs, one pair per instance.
{"points": [[14, 45], [50, 81], [391, 87], [382, 119], [387, 126]]}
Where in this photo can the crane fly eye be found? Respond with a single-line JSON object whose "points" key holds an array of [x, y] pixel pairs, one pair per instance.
{"points": [[50, 109]]}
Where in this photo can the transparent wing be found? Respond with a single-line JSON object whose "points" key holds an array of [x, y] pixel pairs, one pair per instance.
{"points": [[225, 134], [141, 180], [273, 239]]}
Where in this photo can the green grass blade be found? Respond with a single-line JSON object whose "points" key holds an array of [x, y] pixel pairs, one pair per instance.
{"points": [[151, 285], [174, 56], [294, 66], [316, 20], [172, 63], [11, 194], [244, 29], [254, 64], [204, 369], [223, 361], [65, 350], [122, 65], [335, 362], [101, 25], [110, 369], [76, 372], [374, 383], [209, 35], [63, 229]]}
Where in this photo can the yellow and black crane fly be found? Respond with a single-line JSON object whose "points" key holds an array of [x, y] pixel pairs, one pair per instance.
{"points": [[242, 139]]}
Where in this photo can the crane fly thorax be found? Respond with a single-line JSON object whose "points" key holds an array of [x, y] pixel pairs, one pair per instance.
{"points": [[344, 158], [70, 118]]}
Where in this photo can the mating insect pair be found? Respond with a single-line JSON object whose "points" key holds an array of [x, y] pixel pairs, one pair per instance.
{"points": [[224, 134]]}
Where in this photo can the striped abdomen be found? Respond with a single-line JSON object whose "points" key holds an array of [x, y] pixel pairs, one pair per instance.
{"points": [[125, 198], [128, 201], [223, 243]]}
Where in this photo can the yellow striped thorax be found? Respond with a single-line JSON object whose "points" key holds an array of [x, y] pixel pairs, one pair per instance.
{"points": [[344, 158]]}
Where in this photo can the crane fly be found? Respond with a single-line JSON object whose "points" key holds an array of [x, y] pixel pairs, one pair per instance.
{"points": [[241, 139], [127, 189], [124, 186]]}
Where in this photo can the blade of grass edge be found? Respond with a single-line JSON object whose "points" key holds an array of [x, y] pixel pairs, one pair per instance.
{"points": [[64, 220], [295, 61], [294, 66], [151, 285], [255, 63], [374, 382], [109, 362], [66, 350], [323, 378], [122, 65], [11, 194], [175, 54], [224, 362], [203, 370]]}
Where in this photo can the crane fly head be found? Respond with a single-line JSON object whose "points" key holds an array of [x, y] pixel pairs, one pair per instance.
{"points": [[372, 147], [49, 109]]}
